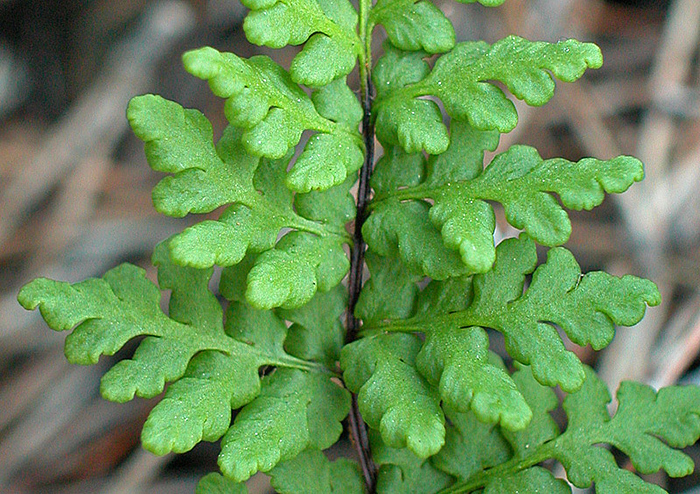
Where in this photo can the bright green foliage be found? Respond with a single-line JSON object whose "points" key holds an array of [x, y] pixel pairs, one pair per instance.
{"points": [[328, 159], [289, 275], [535, 479], [106, 313], [401, 471], [420, 245], [518, 179], [390, 293], [295, 410], [215, 483], [206, 177], [470, 446], [414, 26], [311, 472], [413, 124], [394, 398], [542, 427], [477, 456], [460, 364], [583, 306], [460, 80], [317, 333], [263, 100], [454, 356], [445, 414], [327, 25], [457, 362], [214, 368], [404, 229], [647, 427], [521, 181]]}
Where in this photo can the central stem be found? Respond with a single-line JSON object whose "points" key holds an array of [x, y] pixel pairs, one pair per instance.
{"points": [[357, 425]]}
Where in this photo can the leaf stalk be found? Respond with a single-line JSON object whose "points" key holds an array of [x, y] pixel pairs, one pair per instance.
{"points": [[357, 427], [516, 464]]}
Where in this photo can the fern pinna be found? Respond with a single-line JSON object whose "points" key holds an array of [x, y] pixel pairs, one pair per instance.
{"points": [[411, 363]]}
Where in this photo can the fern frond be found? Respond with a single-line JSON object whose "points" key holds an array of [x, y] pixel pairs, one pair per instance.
{"points": [[519, 179], [326, 26], [649, 427], [273, 110], [460, 79], [393, 397], [311, 472]]}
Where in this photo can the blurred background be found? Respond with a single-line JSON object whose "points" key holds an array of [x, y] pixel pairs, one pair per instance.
{"points": [[75, 198]]}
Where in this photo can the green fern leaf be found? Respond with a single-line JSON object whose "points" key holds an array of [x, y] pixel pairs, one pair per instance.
{"points": [[535, 479], [471, 446], [326, 161], [207, 178], [213, 370], [215, 483], [521, 181], [333, 208], [261, 98], [289, 275], [392, 395], [648, 427], [317, 334], [327, 27], [294, 411], [244, 323], [109, 312], [455, 356], [403, 229], [390, 293], [198, 406], [397, 69], [180, 141], [459, 80], [542, 428], [414, 26], [226, 240], [306, 264], [402, 472], [464, 158], [585, 307], [245, 226], [274, 111], [422, 120], [262, 206], [322, 60], [413, 124], [457, 361], [444, 412], [396, 169], [233, 282], [466, 226], [311, 472], [338, 103]]}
